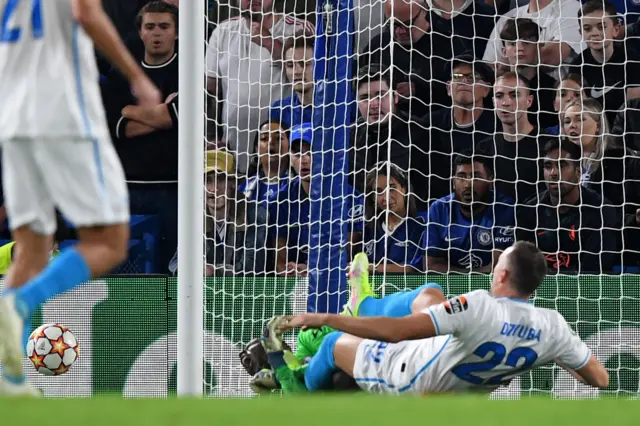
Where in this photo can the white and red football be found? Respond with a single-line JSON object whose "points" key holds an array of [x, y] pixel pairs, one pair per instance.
{"points": [[52, 349]]}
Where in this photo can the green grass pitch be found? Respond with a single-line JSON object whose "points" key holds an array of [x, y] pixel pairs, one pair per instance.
{"points": [[334, 410]]}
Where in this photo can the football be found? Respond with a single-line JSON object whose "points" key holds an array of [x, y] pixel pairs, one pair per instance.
{"points": [[52, 349]]}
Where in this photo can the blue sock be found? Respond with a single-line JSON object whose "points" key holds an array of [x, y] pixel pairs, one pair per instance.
{"points": [[395, 305], [319, 373], [25, 334], [65, 272]]}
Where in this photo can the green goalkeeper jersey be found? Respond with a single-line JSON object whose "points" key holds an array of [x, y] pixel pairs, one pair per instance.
{"points": [[309, 342]]}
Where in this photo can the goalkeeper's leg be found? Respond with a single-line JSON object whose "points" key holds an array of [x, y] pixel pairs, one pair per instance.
{"points": [[362, 301]]}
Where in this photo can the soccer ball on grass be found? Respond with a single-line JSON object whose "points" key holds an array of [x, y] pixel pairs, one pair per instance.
{"points": [[52, 349]]}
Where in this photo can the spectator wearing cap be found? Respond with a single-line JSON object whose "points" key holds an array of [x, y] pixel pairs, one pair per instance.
{"points": [[459, 128], [290, 212], [468, 228], [520, 37], [384, 133], [419, 56], [236, 230], [394, 229], [298, 66]]}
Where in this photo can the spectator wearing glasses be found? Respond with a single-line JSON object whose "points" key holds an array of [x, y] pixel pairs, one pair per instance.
{"points": [[468, 228], [290, 212], [521, 51], [419, 56], [394, 229], [459, 128], [269, 170], [611, 69], [386, 134], [298, 66], [571, 224]]}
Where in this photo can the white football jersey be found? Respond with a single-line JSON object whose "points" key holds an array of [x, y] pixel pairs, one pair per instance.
{"points": [[50, 83], [486, 341]]}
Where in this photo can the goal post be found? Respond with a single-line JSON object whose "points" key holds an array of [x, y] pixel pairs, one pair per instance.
{"points": [[333, 110], [190, 320]]}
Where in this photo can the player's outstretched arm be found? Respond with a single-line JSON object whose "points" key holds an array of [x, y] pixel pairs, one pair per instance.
{"points": [[593, 373], [393, 330], [93, 19]]}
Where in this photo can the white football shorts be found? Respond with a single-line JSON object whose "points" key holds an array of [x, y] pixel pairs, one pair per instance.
{"points": [[395, 368], [82, 178]]}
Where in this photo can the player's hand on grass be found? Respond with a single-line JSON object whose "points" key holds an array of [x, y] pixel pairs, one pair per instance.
{"points": [[145, 91], [263, 381]]}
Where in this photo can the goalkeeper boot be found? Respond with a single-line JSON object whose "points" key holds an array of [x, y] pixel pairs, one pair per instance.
{"points": [[359, 286], [272, 335], [23, 389], [11, 330]]}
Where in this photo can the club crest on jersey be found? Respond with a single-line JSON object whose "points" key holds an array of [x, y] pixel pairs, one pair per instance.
{"points": [[456, 305], [484, 237]]}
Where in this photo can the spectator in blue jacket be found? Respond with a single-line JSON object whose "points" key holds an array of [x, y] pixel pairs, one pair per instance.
{"points": [[269, 167], [291, 211]]}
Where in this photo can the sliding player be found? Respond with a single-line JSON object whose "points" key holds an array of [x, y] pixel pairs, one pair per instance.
{"points": [[477, 341], [57, 154]]}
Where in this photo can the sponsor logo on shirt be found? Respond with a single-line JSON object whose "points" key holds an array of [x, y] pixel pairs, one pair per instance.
{"points": [[357, 211], [456, 305], [598, 93]]}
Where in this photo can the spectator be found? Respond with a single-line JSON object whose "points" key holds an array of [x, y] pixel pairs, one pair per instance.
{"points": [[560, 35], [469, 228], [520, 38], [146, 138], [457, 129], [244, 70], [571, 224], [611, 69], [567, 89], [298, 66], [394, 230], [386, 134], [467, 23], [517, 149], [269, 171], [608, 169], [236, 232], [291, 213], [419, 56]]}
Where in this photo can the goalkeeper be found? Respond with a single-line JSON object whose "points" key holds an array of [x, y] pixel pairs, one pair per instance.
{"points": [[288, 375]]}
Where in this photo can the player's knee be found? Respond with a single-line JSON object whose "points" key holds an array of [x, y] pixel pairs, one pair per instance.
{"points": [[429, 294]]}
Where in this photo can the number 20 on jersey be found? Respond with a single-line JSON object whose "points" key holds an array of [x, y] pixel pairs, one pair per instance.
{"points": [[11, 34]]}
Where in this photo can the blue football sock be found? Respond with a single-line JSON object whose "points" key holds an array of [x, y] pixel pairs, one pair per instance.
{"points": [[25, 334], [395, 305], [65, 272], [319, 373]]}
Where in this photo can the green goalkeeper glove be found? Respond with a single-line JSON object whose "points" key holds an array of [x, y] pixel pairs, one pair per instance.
{"points": [[264, 381]]}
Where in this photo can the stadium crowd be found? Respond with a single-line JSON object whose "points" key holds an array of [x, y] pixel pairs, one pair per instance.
{"points": [[479, 122]]}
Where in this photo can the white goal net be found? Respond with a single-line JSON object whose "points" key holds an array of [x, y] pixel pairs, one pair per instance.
{"points": [[431, 135]]}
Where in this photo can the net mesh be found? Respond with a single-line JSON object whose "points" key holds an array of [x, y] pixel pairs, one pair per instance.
{"points": [[470, 127]]}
